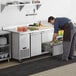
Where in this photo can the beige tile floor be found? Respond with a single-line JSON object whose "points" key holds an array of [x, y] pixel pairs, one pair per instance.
{"points": [[68, 70], [8, 64]]}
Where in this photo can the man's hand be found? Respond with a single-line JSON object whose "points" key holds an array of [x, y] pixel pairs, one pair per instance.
{"points": [[51, 43], [54, 38]]}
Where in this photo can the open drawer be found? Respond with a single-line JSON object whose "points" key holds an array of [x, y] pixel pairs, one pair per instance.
{"points": [[57, 49]]}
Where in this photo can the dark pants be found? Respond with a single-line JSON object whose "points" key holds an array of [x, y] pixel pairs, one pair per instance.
{"points": [[68, 46]]}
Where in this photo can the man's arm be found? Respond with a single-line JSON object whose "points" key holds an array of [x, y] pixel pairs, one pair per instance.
{"points": [[54, 38], [56, 29]]}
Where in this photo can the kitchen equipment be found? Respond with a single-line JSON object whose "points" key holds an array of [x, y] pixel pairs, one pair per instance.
{"points": [[47, 36], [20, 46], [5, 48], [3, 40], [6, 55], [35, 43], [57, 49], [46, 47], [3, 55]]}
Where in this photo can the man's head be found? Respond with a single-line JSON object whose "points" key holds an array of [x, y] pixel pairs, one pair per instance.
{"points": [[51, 19]]}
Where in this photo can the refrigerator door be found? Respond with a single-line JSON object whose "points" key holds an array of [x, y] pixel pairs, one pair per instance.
{"points": [[35, 43], [24, 46], [47, 36], [24, 42]]}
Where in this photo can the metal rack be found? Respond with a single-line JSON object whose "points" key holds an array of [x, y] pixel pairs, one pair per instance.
{"points": [[5, 49]]}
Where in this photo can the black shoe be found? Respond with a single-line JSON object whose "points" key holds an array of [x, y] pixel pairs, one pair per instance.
{"points": [[65, 60], [71, 58]]}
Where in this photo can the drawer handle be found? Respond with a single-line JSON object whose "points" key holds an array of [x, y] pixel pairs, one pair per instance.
{"points": [[24, 47]]}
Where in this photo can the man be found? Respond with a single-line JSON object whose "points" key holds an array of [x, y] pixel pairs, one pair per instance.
{"points": [[68, 38]]}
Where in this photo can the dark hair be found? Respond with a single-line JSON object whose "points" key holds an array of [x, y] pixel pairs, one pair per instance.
{"points": [[50, 18]]}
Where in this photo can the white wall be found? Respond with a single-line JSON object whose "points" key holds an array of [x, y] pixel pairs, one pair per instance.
{"points": [[12, 16], [54, 8], [73, 10], [57, 8]]}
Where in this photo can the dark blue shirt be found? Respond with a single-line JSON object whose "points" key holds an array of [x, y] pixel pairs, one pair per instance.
{"points": [[59, 22]]}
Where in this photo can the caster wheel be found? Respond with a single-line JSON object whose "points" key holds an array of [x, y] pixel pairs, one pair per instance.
{"points": [[20, 61]]}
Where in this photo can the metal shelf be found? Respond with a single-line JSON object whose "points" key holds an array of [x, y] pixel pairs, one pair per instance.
{"points": [[4, 45], [4, 32], [23, 4], [20, 6], [5, 59]]}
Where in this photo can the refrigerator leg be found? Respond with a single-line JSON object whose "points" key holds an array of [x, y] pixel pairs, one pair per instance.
{"points": [[20, 61], [8, 60]]}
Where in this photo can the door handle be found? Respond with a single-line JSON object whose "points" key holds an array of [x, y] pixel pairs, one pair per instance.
{"points": [[24, 47]]}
